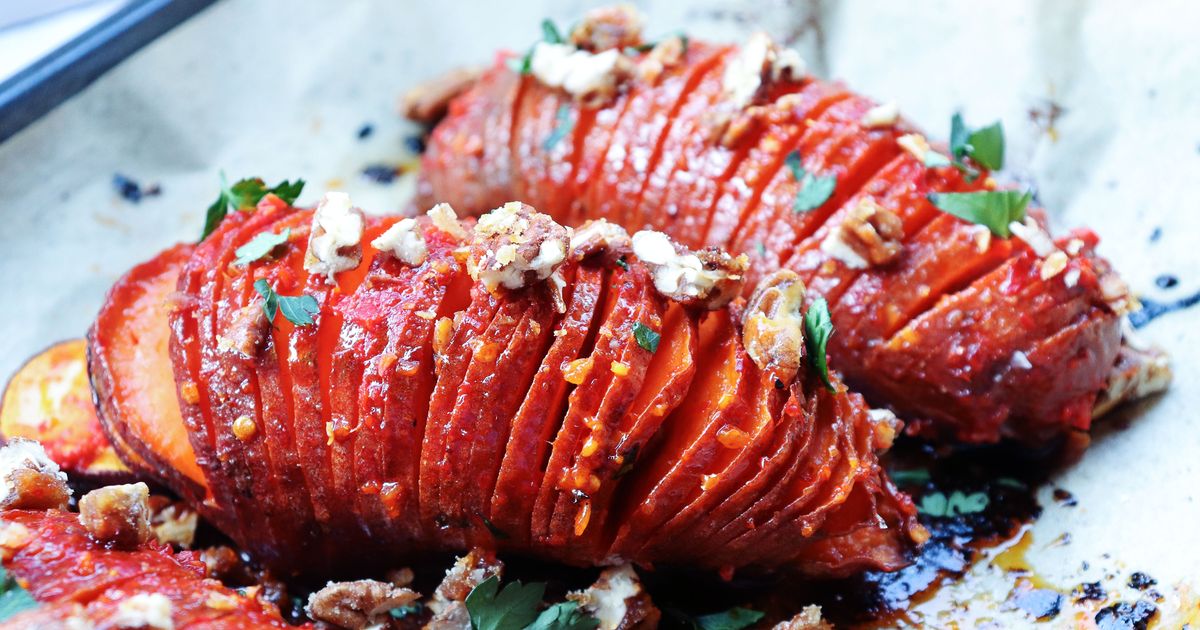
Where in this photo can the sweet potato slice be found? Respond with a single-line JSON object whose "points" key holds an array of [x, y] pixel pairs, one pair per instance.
{"points": [[76, 577], [49, 399], [537, 421], [129, 340]]}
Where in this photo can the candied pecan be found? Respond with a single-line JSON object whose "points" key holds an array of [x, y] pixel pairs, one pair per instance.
{"points": [[173, 522], [334, 245], [428, 102], [869, 235], [606, 28], [666, 53], [29, 480], [618, 601], [357, 604], [600, 237], [515, 246], [807, 619], [773, 326], [707, 278], [119, 515]]}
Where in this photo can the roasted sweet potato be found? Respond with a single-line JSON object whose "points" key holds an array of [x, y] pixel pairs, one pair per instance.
{"points": [[83, 583], [503, 386], [50, 400], [688, 151]]}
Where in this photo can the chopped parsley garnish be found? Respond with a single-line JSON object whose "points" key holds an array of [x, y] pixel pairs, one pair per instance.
{"points": [[818, 328], [500, 534], [622, 263], [914, 477], [513, 608], [646, 337], [938, 505], [984, 145], [732, 619], [261, 245], [244, 195], [404, 611], [550, 33], [297, 309], [564, 616], [562, 126], [995, 209], [627, 461], [13, 598], [814, 190]]}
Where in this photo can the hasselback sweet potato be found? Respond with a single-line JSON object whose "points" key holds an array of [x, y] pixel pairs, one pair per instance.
{"points": [[937, 318], [376, 388]]}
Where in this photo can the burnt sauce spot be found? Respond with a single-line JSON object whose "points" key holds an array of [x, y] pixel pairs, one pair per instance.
{"points": [[1141, 581], [1153, 309], [1041, 603], [1126, 616], [1089, 592]]}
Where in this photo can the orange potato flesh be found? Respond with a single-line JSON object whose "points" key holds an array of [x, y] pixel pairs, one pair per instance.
{"points": [[129, 340], [49, 399]]}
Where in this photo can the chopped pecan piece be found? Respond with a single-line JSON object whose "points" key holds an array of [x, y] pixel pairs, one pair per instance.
{"points": [[708, 278], [334, 243], [247, 331], [469, 571], [29, 479], [773, 326], [807, 619], [606, 28], [618, 601], [600, 237], [357, 604], [118, 515], [869, 235], [428, 102], [516, 246]]}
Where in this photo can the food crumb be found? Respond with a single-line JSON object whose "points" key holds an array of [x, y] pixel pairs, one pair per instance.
{"points": [[130, 190]]}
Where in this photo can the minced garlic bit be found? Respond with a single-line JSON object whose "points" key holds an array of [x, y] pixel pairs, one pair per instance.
{"points": [[591, 78], [884, 115], [916, 145], [445, 219], [1071, 278], [515, 246], [335, 242], [619, 368], [1074, 246], [404, 241], [772, 326], [982, 236], [709, 277], [1054, 264], [143, 610], [244, 428], [759, 62], [1020, 360], [29, 479], [1034, 236]]}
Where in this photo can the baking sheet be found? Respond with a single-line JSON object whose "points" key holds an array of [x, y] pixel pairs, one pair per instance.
{"points": [[280, 89]]}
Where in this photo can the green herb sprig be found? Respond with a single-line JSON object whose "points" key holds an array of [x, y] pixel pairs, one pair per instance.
{"points": [[244, 195], [515, 607], [646, 337], [13, 598], [260, 246], [563, 124], [814, 190], [995, 209], [818, 328], [550, 35], [299, 309], [938, 505]]}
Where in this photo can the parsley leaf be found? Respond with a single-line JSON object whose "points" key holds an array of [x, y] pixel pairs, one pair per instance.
{"points": [[732, 619], [818, 328], [404, 611], [260, 246], [13, 598], [550, 33], [563, 126], [992, 208], [244, 195], [564, 616], [914, 477], [622, 263], [513, 608], [938, 505], [646, 337], [985, 145], [297, 309], [814, 190]]}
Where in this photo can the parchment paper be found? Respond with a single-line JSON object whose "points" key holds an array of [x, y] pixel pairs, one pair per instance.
{"points": [[280, 88]]}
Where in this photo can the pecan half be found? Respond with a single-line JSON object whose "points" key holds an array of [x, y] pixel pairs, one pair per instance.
{"points": [[869, 235], [773, 325]]}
